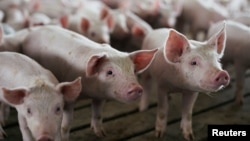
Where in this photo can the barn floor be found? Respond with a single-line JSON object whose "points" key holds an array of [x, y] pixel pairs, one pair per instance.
{"points": [[123, 122]]}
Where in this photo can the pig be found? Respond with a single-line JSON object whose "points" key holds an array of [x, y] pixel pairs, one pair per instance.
{"points": [[37, 96], [169, 10], [17, 18], [182, 66], [142, 8], [53, 8], [109, 73], [197, 16], [94, 20], [137, 30], [236, 53], [37, 18]]}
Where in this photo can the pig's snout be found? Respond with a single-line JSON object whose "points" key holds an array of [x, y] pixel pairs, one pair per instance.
{"points": [[222, 78], [45, 138], [134, 92]]}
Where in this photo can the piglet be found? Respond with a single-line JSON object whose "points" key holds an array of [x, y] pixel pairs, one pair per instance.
{"points": [[37, 96], [109, 73], [182, 66]]}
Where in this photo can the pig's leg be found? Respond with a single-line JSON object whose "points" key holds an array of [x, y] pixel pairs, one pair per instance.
{"points": [[162, 113], [239, 80], [188, 100], [66, 121], [146, 83], [26, 134], [2, 113], [96, 119], [2, 133]]}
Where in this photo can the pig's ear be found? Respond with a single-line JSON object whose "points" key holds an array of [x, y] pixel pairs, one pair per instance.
{"points": [[70, 90], [85, 24], [104, 13], [138, 31], [142, 59], [218, 40], [64, 20], [94, 63], [110, 22], [14, 96], [175, 46]]}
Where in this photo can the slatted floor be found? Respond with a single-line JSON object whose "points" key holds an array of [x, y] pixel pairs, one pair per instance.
{"points": [[123, 122]]}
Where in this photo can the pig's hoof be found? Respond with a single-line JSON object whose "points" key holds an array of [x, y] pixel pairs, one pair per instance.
{"points": [[99, 132], [159, 134], [142, 108], [189, 137]]}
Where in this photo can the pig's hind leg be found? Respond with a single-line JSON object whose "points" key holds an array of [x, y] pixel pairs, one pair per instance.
{"points": [[239, 82]]}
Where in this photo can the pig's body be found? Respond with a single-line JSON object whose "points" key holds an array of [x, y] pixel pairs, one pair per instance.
{"points": [[34, 92], [179, 68], [236, 52], [109, 73]]}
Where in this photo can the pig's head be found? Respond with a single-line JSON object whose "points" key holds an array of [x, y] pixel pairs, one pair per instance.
{"points": [[146, 7], [97, 30], [116, 73], [120, 23], [198, 63], [169, 11], [40, 108]]}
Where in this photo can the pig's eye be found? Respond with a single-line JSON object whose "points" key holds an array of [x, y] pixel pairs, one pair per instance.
{"points": [[193, 63], [109, 72], [92, 34], [29, 111], [58, 110]]}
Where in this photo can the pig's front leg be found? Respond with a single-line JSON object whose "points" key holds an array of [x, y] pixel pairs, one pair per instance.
{"points": [[239, 80], [188, 101], [2, 133], [146, 83], [66, 121], [96, 119], [162, 113], [4, 113], [26, 134]]}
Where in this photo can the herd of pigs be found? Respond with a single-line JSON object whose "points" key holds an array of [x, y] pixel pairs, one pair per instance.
{"points": [[54, 52]]}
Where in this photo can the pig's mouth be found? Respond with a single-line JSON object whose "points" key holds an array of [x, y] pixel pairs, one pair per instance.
{"points": [[127, 98], [212, 88]]}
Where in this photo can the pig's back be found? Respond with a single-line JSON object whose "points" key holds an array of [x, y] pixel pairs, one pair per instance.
{"points": [[19, 70], [155, 39]]}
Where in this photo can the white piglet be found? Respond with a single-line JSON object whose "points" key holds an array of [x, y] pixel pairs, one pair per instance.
{"points": [[182, 66], [37, 96], [109, 73]]}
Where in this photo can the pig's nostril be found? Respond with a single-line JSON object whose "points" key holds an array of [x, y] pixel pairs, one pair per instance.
{"points": [[222, 78], [135, 90]]}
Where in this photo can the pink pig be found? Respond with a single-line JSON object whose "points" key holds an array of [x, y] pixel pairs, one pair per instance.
{"points": [[37, 96], [109, 73], [185, 66]]}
